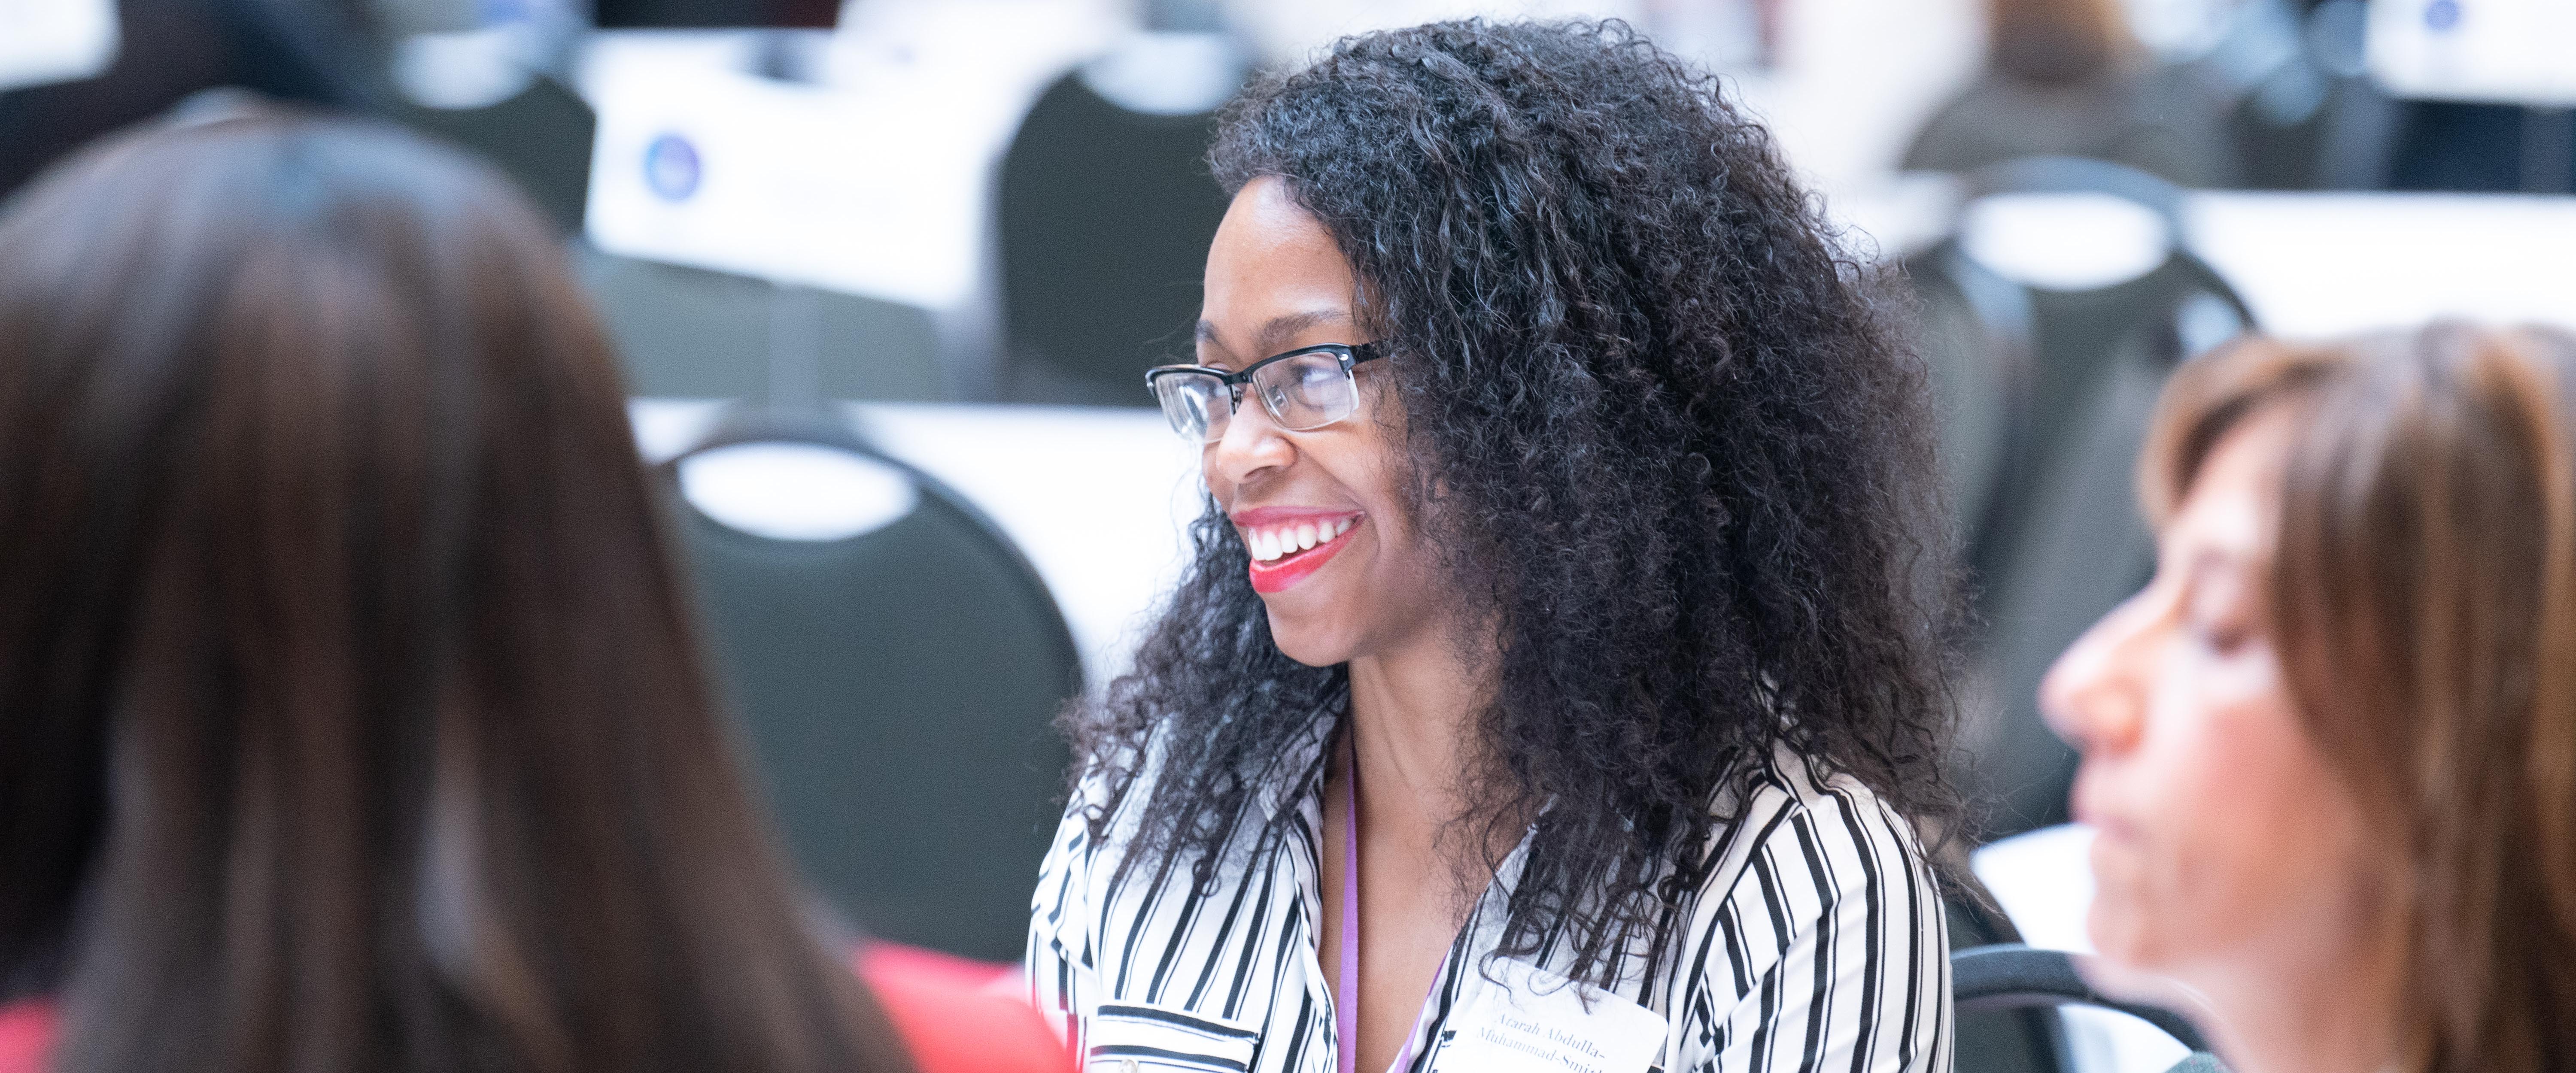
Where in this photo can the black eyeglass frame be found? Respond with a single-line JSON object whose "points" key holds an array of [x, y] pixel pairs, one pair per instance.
{"points": [[1351, 354]]}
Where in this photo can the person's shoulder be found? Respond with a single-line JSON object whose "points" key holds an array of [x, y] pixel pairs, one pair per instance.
{"points": [[1101, 815], [1113, 790], [1120, 771], [1105, 791], [1796, 811]]}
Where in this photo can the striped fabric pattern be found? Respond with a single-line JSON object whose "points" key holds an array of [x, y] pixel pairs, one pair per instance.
{"points": [[1816, 943]]}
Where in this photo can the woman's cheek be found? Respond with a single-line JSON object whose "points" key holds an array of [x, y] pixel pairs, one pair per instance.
{"points": [[2120, 919], [2167, 828], [2227, 854], [2143, 914]]}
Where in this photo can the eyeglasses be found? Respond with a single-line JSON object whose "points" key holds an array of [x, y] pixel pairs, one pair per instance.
{"points": [[1307, 388]]}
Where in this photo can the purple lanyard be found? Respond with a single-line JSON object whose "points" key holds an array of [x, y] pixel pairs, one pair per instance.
{"points": [[1346, 1011]]}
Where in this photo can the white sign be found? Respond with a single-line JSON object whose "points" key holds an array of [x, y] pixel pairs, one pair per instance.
{"points": [[2509, 51], [55, 40], [792, 182]]}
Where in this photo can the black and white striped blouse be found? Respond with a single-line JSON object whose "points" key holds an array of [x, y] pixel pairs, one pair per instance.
{"points": [[1816, 943]]}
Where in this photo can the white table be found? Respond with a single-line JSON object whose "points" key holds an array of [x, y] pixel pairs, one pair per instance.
{"points": [[1096, 497], [2333, 264], [2317, 264]]}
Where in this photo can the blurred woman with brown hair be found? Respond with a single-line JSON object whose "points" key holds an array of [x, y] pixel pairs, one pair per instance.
{"points": [[349, 714], [2331, 749]]}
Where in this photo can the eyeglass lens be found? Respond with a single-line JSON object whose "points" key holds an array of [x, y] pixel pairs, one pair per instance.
{"points": [[1304, 392]]}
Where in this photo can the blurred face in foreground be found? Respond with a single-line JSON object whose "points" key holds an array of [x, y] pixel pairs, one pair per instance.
{"points": [[1322, 511], [2227, 849]]}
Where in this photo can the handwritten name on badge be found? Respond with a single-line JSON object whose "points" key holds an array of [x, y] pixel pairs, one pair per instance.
{"points": [[1530, 1020]]}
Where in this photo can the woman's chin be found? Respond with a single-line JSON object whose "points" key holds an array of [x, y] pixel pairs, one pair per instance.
{"points": [[2122, 936], [2119, 977], [1315, 644]]}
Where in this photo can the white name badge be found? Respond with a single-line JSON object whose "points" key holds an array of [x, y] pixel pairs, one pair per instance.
{"points": [[1529, 1020]]}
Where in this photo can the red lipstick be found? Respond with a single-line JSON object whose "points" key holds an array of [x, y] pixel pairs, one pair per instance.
{"points": [[1265, 529]]}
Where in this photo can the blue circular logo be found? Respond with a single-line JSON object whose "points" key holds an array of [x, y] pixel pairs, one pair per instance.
{"points": [[671, 167], [2442, 14]]}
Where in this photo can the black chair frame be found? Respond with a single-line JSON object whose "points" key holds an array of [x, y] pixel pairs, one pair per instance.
{"points": [[2011, 976], [902, 903], [745, 423]]}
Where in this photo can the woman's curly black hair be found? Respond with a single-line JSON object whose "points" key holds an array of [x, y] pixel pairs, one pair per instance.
{"points": [[1682, 460]]}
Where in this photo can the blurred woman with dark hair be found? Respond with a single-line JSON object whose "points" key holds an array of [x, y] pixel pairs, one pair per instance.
{"points": [[2330, 750], [1561, 673], [349, 717]]}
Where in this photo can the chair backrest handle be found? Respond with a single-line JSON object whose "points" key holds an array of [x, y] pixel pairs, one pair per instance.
{"points": [[2006, 976]]}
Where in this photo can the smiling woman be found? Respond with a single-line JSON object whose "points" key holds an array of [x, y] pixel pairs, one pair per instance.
{"points": [[1560, 675]]}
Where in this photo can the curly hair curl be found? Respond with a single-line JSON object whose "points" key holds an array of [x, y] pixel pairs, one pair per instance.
{"points": [[1683, 464]]}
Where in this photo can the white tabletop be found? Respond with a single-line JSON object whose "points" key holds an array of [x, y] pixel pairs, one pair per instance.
{"points": [[1096, 497], [2317, 264], [2332, 264]]}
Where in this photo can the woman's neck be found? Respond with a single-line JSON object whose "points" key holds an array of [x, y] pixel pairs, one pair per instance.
{"points": [[1413, 723], [2335, 1012]]}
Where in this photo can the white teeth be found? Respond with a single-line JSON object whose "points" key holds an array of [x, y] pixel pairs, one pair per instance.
{"points": [[1269, 544]]}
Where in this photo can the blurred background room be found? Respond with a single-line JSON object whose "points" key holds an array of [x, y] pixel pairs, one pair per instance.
{"points": [[886, 275]]}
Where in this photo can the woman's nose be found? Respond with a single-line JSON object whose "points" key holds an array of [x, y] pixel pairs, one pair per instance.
{"points": [[1251, 444], [2094, 696]]}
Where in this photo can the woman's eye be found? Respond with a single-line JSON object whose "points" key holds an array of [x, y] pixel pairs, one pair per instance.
{"points": [[2226, 636], [2221, 608], [2223, 625]]}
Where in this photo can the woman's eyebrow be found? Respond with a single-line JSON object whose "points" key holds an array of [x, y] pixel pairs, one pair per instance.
{"points": [[1273, 335]]}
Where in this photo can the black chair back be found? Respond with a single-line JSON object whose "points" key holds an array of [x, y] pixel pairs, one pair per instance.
{"points": [[1105, 215], [2046, 396], [2001, 1040], [540, 137], [2011, 977], [693, 333], [898, 688]]}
